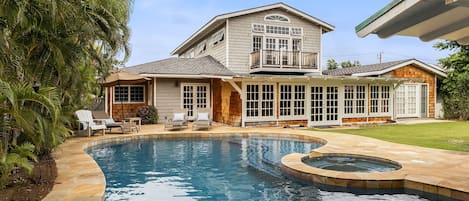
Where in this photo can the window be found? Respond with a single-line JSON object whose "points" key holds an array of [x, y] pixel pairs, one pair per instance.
{"points": [[316, 104], [411, 99], [258, 28], [299, 101], [277, 17], [256, 43], [385, 94], [332, 103], [348, 99], [260, 100], [218, 37], [354, 99], [252, 100], [296, 43], [277, 30], [283, 46], [296, 31], [292, 100], [374, 99], [380, 99], [360, 100], [202, 47], [267, 100], [129, 94]]}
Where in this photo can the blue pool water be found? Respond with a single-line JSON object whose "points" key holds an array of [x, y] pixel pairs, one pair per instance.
{"points": [[232, 168]]}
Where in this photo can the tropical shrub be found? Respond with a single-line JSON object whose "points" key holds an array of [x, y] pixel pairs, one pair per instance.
{"points": [[456, 86], [17, 157], [149, 114]]}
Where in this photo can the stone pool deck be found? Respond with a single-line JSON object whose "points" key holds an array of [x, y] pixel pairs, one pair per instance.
{"points": [[443, 172]]}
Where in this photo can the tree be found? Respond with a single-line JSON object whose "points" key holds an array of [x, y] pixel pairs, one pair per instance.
{"points": [[346, 64], [455, 88], [356, 63], [64, 44], [332, 64], [52, 42]]}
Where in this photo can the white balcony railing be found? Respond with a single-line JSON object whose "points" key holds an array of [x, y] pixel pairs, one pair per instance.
{"points": [[277, 59]]}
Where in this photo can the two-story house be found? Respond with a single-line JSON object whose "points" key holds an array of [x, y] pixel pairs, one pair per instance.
{"points": [[262, 66]]}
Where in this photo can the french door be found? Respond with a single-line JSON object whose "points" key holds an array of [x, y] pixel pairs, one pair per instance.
{"points": [[324, 105], [193, 96], [408, 99], [276, 51]]}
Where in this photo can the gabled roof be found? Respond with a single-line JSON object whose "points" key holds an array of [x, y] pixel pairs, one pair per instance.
{"points": [[382, 68], [205, 66], [220, 19]]}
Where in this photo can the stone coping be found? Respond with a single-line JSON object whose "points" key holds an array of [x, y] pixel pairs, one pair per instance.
{"points": [[429, 170]]}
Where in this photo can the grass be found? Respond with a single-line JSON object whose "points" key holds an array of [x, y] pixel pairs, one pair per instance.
{"points": [[449, 136]]}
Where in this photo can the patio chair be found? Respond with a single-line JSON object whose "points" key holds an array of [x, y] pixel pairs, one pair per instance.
{"points": [[85, 118], [202, 120], [179, 120], [125, 126]]}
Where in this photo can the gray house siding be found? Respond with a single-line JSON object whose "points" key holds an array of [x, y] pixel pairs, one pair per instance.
{"points": [[218, 51], [168, 95], [240, 37]]}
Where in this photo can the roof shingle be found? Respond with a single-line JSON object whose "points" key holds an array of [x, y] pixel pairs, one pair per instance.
{"points": [[364, 68], [206, 65]]}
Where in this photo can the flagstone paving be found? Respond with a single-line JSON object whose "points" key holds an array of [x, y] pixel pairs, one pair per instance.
{"points": [[430, 170]]}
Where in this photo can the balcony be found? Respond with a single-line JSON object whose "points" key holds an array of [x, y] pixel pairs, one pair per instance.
{"points": [[284, 61]]}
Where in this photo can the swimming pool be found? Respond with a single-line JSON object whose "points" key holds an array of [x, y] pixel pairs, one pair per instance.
{"points": [[232, 168]]}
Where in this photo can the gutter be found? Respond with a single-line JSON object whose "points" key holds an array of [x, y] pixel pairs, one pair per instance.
{"points": [[187, 76]]}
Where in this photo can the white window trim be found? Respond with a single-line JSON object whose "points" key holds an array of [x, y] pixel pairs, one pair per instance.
{"points": [[128, 94], [354, 113], [292, 115], [276, 14], [390, 103], [260, 117], [257, 24], [297, 35], [216, 37], [200, 46]]}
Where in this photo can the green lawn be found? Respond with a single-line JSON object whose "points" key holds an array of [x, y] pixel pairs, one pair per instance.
{"points": [[450, 136]]}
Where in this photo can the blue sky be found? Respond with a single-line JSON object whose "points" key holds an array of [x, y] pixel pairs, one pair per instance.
{"points": [[157, 27]]}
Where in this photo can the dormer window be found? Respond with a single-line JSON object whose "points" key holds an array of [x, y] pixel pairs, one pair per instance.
{"points": [[218, 37], [277, 18]]}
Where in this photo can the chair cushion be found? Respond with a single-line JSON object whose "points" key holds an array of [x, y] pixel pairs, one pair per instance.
{"points": [[110, 121], [179, 116], [203, 116]]}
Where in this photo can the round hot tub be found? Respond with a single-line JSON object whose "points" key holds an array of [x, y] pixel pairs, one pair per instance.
{"points": [[351, 163]]}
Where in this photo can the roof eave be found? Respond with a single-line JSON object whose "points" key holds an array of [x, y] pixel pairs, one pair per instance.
{"points": [[377, 20]]}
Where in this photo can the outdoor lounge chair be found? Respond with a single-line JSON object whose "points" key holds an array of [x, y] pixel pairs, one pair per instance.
{"points": [[85, 118], [179, 120], [125, 126], [202, 120]]}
